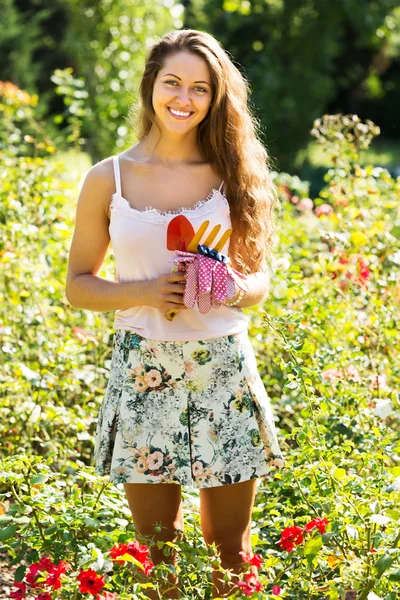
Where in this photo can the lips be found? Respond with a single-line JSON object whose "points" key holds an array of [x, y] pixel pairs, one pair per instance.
{"points": [[178, 117]]}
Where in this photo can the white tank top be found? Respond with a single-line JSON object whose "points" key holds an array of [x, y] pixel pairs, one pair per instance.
{"points": [[139, 244]]}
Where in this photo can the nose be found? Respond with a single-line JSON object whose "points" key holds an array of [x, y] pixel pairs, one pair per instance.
{"points": [[183, 96]]}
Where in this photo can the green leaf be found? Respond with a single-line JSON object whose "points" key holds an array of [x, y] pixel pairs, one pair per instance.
{"points": [[339, 473], [395, 576], [313, 546], [7, 532], [20, 573], [383, 563], [92, 523], [39, 479]]}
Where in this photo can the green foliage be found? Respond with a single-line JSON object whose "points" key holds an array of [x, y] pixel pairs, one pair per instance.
{"points": [[302, 57], [108, 41], [21, 133], [326, 347]]}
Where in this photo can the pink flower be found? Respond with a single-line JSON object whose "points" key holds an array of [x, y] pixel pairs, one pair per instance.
{"points": [[353, 373], [197, 468], [276, 590], [107, 596], [83, 335], [331, 374], [255, 560], [305, 204], [250, 585], [155, 461], [153, 378], [323, 209], [379, 381], [20, 592]]}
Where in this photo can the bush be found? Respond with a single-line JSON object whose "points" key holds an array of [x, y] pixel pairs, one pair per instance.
{"points": [[325, 527]]}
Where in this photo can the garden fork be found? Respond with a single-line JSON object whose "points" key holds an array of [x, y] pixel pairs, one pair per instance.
{"points": [[172, 312]]}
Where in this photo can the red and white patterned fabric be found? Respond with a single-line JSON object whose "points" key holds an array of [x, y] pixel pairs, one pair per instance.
{"points": [[209, 282]]}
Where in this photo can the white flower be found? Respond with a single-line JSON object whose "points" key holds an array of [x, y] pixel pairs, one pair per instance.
{"points": [[383, 408], [28, 373], [380, 519]]}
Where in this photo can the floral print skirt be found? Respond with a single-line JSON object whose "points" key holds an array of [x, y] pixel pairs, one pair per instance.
{"points": [[194, 413]]}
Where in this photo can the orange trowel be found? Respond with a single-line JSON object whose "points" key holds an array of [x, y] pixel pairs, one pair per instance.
{"points": [[180, 233]]}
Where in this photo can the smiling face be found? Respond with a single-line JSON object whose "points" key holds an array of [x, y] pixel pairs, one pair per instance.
{"points": [[183, 84]]}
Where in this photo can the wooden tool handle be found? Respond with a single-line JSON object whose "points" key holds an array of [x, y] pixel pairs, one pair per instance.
{"points": [[172, 312]]}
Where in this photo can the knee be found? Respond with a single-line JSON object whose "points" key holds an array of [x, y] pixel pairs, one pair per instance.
{"points": [[229, 544], [167, 530]]}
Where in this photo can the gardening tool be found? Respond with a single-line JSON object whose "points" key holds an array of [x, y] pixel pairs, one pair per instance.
{"points": [[180, 232], [195, 248]]}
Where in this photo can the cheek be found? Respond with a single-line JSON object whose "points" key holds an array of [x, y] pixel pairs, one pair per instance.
{"points": [[161, 96]]}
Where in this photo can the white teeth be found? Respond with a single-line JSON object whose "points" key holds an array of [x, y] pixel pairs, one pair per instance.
{"points": [[179, 113]]}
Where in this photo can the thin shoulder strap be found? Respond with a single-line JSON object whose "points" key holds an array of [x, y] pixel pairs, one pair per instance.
{"points": [[117, 175], [220, 187]]}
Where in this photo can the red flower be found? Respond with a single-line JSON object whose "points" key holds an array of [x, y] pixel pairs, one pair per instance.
{"points": [[276, 590], [250, 585], [148, 567], [43, 596], [317, 522], [90, 582], [46, 565], [20, 591], [290, 535], [140, 552], [254, 560]]}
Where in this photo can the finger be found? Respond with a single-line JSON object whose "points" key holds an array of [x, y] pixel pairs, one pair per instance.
{"points": [[174, 298], [176, 288], [178, 275]]}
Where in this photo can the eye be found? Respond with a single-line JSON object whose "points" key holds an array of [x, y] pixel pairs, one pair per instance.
{"points": [[173, 81]]}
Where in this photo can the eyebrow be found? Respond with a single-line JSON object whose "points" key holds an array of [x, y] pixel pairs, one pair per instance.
{"points": [[181, 79]]}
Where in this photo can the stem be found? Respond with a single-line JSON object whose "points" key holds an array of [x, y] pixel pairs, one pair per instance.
{"points": [[304, 498], [280, 574], [34, 511], [103, 487], [396, 541]]}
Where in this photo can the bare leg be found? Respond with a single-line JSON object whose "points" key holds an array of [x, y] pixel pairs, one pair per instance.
{"points": [[154, 504], [225, 513]]}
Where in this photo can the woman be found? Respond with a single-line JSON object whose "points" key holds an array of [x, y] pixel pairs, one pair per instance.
{"points": [[184, 403]]}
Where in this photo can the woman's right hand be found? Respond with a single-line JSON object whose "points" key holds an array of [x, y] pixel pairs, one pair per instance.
{"points": [[166, 291]]}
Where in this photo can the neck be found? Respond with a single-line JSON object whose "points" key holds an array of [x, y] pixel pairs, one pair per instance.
{"points": [[170, 149]]}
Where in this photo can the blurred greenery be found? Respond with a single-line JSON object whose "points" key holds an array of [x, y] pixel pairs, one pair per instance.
{"points": [[303, 58]]}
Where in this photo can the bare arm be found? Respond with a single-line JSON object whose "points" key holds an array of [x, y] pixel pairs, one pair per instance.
{"points": [[259, 286], [84, 289]]}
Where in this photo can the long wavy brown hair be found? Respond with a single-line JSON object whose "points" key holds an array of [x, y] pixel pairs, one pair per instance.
{"points": [[228, 138]]}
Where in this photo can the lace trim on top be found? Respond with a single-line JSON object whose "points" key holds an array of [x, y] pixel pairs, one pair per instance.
{"points": [[154, 215]]}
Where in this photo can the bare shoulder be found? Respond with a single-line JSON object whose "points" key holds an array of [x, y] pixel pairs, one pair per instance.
{"points": [[99, 181]]}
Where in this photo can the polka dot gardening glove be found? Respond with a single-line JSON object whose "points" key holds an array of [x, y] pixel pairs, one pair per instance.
{"points": [[209, 281]]}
